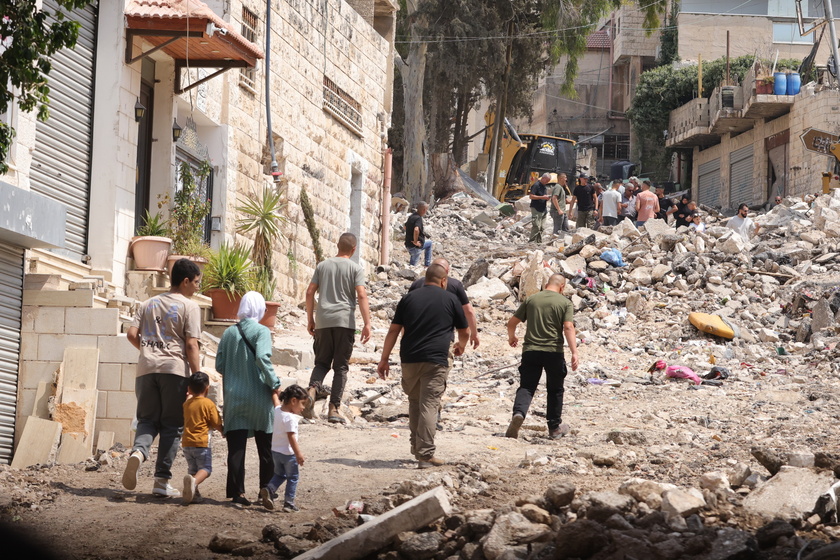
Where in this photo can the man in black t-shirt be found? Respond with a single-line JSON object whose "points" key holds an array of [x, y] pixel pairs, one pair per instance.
{"points": [[456, 288], [428, 316], [584, 197], [415, 237], [539, 195], [666, 205]]}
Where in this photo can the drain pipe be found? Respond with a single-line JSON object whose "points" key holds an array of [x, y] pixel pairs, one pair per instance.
{"points": [[275, 171], [385, 241]]}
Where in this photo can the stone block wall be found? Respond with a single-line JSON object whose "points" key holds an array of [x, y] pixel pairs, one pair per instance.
{"points": [[46, 331]]}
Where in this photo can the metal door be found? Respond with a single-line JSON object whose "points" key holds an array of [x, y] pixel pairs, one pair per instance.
{"points": [[61, 159], [11, 301], [741, 177], [708, 183]]}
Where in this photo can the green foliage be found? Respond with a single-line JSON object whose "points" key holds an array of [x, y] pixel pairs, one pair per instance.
{"points": [[24, 64], [669, 38], [230, 269], [189, 211], [311, 224], [262, 217], [154, 225]]}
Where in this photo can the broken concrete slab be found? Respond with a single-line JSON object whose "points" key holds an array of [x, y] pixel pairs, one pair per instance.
{"points": [[792, 492]]}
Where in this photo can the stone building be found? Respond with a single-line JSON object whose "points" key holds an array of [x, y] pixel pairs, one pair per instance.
{"points": [[95, 167]]}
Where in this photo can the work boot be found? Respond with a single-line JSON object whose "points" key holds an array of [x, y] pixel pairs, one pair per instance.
{"points": [[515, 424], [430, 462], [334, 416], [309, 409]]}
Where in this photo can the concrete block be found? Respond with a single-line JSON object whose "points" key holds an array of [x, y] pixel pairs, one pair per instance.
{"points": [[94, 321], [26, 403], [76, 298], [51, 346], [50, 320], [790, 493], [102, 401], [128, 377], [122, 429], [110, 377], [34, 372], [104, 440], [117, 349], [120, 405], [28, 346], [27, 318]]}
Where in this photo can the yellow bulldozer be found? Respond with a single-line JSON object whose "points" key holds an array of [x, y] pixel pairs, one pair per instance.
{"points": [[525, 157]]}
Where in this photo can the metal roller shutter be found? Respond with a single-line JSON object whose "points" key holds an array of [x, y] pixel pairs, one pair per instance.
{"points": [[61, 159], [11, 301], [741, 176], [708, 183]]}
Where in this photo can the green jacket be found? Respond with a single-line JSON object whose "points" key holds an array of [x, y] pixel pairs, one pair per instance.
{"points": [[247, 381]]}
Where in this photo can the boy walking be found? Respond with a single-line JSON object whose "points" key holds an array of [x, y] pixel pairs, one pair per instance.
{"points": [[200, 416]]}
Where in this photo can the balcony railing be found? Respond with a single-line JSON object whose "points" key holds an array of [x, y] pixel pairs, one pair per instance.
{"points": [[689, 125]]}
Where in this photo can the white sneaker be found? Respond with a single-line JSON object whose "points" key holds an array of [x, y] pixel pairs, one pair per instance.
{"points": [[189, 490], [162, 489], [265, 498], [129, 478]]}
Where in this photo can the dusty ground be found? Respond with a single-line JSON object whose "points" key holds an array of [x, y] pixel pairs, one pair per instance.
{"points": [[785, 403]]}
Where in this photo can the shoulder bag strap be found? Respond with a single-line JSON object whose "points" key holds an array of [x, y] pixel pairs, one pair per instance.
{"points": [[245, 339]]}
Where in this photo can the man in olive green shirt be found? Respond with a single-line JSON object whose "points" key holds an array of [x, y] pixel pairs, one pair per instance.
{"points": [[549, 316], [559, 194]]}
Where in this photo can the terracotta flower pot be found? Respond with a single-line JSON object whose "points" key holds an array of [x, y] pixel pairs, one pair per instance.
{"points": [[150, 252], [270, 317], [170, 262], [225, 305], [762, 88]]}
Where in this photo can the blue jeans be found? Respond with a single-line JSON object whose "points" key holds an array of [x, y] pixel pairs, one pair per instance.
{"points": [[414, 253], [198, 459], [286, 470], [639, 223], [160, 412]]}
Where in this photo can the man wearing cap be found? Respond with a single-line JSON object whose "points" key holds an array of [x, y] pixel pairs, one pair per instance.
{"points": [[539, 196], [584, 197], [559, 193]]}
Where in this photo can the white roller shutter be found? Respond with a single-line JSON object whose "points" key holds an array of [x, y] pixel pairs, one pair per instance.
{"points": [[708, 183], [11, 301], [61, 159], [741, 176]]}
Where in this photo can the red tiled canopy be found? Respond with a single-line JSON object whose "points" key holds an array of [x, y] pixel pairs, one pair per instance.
{"points": [[179, 28]]}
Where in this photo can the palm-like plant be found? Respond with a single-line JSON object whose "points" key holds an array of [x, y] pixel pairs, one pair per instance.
{"points": [[230, 269], [261, 217]]}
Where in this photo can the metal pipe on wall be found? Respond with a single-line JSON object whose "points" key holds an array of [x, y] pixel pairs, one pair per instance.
{"points": [[385, 241]]}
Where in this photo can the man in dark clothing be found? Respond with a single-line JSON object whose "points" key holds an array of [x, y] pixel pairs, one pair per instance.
{"points": [[666, 205], [539, 195], [584, 197], [456, 288], [428, 316], [415, 237], [549, 317]]}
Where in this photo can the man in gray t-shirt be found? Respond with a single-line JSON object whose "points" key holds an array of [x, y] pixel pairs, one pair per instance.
{"points": [[340, 284]]}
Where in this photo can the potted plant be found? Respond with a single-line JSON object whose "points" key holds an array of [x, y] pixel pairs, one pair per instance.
{"points": [[187, 214], [228, 275], [150, 247], [261, 218], [764, 86]]}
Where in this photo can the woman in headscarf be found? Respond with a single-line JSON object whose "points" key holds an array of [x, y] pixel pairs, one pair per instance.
{"points": [[248, 379]]}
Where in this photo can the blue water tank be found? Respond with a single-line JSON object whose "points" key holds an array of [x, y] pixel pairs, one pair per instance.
{"points": [[794, 82], [780, 83]]}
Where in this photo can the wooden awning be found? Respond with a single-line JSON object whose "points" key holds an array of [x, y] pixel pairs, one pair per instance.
{"points": [[191, 33]]}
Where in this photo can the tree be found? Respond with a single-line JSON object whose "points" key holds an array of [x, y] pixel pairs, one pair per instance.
{"points": [[27, 40], [455, 56]]}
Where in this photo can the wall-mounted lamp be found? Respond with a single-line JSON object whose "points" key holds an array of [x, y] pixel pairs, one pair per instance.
{"points": [[139, 111], [176, 130]]}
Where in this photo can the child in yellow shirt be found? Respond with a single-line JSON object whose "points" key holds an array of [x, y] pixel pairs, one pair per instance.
{"points": [[200, 416]]}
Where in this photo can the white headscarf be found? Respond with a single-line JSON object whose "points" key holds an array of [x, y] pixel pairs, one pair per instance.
{"points": [[252, 306]]}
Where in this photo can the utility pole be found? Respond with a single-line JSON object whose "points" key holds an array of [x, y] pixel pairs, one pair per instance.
{"points": [[829, 16]]}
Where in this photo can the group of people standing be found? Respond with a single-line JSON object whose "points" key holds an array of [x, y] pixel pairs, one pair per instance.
{"points": [[593, 206]]}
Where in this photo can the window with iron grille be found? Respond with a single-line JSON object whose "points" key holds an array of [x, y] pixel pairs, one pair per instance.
{"points": [[616, 146], [342, 106], [248, 76]]}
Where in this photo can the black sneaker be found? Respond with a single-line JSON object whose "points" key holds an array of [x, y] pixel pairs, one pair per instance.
{"points": [[241, 500], [290, 508]]}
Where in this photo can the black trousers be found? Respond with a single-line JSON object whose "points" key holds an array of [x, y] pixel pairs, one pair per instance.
{"points": [[236, 441], [530, 371], [333, 347]]}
